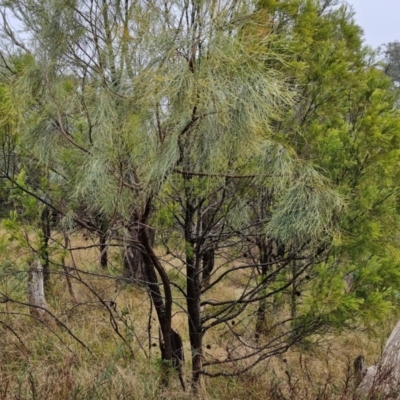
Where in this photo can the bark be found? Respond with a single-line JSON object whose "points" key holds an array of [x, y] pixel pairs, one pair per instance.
{"points": [[67, 271], [194, 317], [162, 303], [134, 260], [208, 260], [178, 356], [295, 291], [163, 311], [193, 284], [359, 369], [44, 250], [208, 257], [383, 380], [102, 225], [264, 259], [36, 297], [142, 265], [103, 250]]}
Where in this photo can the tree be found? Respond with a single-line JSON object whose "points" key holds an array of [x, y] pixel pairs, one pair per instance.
{"points": [[214, 211], [131, 102], [116, 92], [345, 121], [392, 61], [232, 131]]}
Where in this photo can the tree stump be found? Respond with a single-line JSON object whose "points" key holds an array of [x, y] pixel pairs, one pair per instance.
{"points": [[36, 297], [383, 380]]}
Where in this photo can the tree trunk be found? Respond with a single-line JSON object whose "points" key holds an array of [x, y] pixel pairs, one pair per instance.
{"points": [[194, 318], [264, 258], [193, 284], [67, 270], [359, 369], [295, 291], [134, 262], [36, 297], [44, 248], [102, 225], [178, 356], [103, 250], [208, 260], [208, 257], [162, 303], [163, 308]]}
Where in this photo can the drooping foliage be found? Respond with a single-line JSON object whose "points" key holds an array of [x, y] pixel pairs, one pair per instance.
{"points": [[255, 143]]}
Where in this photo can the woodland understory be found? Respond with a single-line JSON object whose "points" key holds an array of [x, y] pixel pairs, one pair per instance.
{"points": [[209, 191]]}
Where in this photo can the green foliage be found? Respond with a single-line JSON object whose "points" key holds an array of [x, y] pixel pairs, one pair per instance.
{"points": [[345, 121], [265, 125], [392, 61]]}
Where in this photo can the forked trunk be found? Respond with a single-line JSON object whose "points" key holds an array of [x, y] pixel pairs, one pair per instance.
{"points": [[162, 302]]}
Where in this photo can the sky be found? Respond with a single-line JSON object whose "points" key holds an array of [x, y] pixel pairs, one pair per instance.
{"points": [[380, 20]]}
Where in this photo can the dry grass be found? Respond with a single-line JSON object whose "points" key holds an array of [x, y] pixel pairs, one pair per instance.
{"points": [[110, 347]]}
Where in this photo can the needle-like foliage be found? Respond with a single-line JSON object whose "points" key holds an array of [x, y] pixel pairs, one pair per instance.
{"points": [[165, 114]]}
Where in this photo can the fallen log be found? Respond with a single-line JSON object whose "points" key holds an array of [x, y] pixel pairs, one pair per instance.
{"points": [[381, 381]]}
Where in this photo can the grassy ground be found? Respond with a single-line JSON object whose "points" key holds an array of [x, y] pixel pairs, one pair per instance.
{"points": [[101, 342]]}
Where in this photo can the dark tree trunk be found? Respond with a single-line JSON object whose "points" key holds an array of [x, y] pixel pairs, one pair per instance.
{"points": [[67, 270], [208, 260], [267, 249], [193, 283], [264, 258], [150, 267], [194, 316], [359, 369], [134, 260], [162, 306], [102, 226], [44, 249], [178, 356], [208, 257], [295, 291], [103, 250]]}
